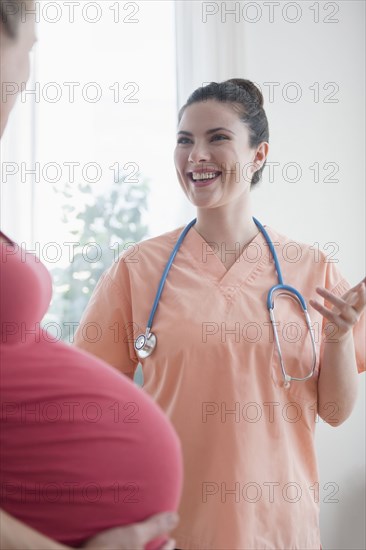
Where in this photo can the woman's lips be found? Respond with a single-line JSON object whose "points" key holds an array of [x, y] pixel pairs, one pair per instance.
{"points": [[203, 183]]}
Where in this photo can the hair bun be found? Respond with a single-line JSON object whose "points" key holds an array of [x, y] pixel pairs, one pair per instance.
{"points": [[250, 88]]}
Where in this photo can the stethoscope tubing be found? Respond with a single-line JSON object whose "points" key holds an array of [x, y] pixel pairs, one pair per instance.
{"points": [[145, 343], [166, 271]]}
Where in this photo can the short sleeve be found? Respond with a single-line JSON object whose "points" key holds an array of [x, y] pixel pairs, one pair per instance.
{"points": [[338, 285], [106, 328]]}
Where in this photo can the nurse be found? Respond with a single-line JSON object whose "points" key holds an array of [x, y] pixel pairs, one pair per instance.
{"points": [[247, 434]]}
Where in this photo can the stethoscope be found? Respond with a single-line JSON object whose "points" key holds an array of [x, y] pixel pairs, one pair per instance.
{"points": [[146, 343]]}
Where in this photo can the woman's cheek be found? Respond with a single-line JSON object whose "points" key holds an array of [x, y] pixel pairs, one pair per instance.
{"points": [[177, 155]]}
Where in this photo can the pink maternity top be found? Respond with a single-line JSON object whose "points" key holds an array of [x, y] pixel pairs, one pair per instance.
{"points": [[82, 448]]}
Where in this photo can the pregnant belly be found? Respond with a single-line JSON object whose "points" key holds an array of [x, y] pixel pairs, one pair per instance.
{"points": [[82, 448]]}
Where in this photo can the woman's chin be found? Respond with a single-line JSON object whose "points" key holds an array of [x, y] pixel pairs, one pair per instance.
{"points": [[202, 203]]}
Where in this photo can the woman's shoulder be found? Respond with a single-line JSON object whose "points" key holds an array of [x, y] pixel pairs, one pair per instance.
{"points": [[145, 257], [26, 287], [296, 247], [308, 261], [159, 242], [283, 238], [157, 248]]}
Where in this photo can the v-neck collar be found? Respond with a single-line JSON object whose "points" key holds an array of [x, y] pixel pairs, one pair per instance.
{"points": [[210, 265]]}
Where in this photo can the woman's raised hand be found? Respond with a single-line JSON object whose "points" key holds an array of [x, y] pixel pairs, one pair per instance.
{"points": [[346, 310]]}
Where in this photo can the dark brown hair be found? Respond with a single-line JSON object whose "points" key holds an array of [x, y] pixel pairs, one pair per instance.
{"points": [[246, 99], [10, 17]]}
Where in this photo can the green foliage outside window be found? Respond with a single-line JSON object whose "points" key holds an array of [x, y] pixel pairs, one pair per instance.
{"points": [[105, 227]]}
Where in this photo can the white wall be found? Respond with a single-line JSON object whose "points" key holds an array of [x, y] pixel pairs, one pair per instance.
{"points": [[306, 132], [303, 132]]}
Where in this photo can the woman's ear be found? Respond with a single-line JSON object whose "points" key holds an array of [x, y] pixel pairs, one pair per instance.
{"points": [[261, 155]]}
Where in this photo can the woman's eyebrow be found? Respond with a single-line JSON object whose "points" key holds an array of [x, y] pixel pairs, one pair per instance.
{"points": [[217, 129], [212, 131]]}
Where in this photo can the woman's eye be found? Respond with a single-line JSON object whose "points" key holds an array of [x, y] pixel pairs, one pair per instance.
{"points": [[219, 137], [183, 140]]}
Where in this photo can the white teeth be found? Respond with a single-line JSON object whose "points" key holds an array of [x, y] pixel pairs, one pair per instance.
{"points": [[204, 175]]}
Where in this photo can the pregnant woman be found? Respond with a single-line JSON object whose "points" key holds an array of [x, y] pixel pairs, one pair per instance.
{"points": [[83, 450]]}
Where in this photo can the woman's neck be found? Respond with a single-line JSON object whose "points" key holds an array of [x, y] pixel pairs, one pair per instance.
{"points": [[228, 229], [231, 224]]}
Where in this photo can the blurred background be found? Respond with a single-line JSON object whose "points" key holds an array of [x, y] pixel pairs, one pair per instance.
{"points": [[87, 159]]}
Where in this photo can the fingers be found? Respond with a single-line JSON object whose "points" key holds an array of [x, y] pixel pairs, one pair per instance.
{"points": [[157, 525], [346, 314], [359, 288], [331, 316], [350, 305], [338, 302], [347, 309], [363, 282], [137, 535], [170, 545]]}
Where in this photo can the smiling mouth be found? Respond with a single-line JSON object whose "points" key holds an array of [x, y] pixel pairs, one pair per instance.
{"points": [[201, 179]]}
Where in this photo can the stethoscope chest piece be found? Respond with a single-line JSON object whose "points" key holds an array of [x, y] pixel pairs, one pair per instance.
{"points": [[145, 344]]}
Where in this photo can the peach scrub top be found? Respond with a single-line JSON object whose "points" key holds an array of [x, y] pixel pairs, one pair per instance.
{"points": [[250, 468]]}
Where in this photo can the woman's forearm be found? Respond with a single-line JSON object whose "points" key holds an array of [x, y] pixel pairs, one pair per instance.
{"points": [[15, 535], [337, 384]]}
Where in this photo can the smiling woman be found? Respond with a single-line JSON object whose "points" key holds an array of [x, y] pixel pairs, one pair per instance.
{"points": [[243, 98], [234, 152]]}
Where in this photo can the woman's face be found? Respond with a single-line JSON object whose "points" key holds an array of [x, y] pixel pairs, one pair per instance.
{"points": [[213, 160], [14, 65]]}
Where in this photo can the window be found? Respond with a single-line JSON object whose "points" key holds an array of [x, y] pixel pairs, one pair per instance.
{"points": [[102, 107]]}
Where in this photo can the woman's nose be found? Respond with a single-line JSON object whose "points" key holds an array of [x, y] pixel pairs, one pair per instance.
{"points": [[199, 153]]}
